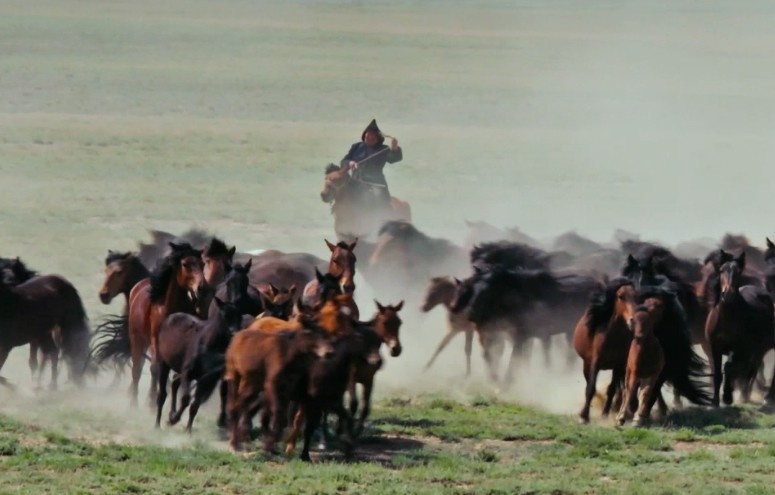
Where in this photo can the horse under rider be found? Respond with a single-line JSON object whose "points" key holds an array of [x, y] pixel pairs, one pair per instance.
{"points": [[367, 158]]}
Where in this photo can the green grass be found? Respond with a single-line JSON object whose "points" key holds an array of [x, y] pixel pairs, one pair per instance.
{"points": [[401, 454], [117, 117]]}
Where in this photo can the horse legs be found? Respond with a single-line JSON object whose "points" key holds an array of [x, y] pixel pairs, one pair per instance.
{"points": [[715, 361], [468, 348], [185, 398], [138, 360], [368, 386], [487, 348], [518, 345], [347, 420], [164, 372], [3, 357], [629, 394], [33, 362], [444, 341], [590, 373], [646, 399], [313, 414], [174, 386], [730, 376], [224, 390], [613, 387], [293, 435], [546, 344], [204, 388]]}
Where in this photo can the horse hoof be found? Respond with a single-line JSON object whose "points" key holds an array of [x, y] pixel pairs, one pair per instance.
{"points": [[620, 420], [584, 420], [305, 457]]}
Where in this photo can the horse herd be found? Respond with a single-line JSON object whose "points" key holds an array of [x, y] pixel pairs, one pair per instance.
{"points": [[281, 337]]}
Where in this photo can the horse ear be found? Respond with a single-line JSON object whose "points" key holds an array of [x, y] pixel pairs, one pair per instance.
{"points": [[457, 281], [249, 264], [770, 244], [232, 251], [631, 260], [399, 305], [380, 307], [741, 260], [292, 290], [274, 290], [319, 276], [353, 244], [330, 246]]}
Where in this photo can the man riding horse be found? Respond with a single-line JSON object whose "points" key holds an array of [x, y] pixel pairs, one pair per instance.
{"points": [[367, 159]]}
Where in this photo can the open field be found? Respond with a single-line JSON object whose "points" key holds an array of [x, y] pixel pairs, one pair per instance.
{"points": [[117, 117]]}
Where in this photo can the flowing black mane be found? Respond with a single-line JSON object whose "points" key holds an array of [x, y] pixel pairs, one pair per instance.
{"points": [[165, 270], [216, 247], [601, 305], [508, 255], [13, 271]]}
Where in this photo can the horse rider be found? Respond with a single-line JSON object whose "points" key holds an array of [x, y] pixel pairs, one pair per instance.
{"points": [[367, 159]]}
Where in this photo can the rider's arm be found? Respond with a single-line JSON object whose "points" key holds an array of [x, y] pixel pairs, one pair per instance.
{"points": [[394, 156], [349, 156]]}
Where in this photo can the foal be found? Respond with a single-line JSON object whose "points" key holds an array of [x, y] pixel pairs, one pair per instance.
{"points": [[645, 362]]}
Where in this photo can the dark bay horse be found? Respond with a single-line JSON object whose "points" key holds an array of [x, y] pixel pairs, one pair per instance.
{"points": [[172, 288], [195, 350], [739, 324], [347, 204], [29, 312]]}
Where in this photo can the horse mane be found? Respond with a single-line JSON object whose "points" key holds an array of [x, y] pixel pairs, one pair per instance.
{"points": [[331, 168], [216, 247], [576, 244], [162, 274], [509, 255], [419, 242], [343, 245], [21, 272], [116, 256], [601, 304], [500, 291]]}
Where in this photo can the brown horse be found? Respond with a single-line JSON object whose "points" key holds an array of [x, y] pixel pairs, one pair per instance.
{"points": [[740, 324], [645, 362], [385, 326], [122, 272], [341, 265], [602, 338], [277, 303], [333, 316], [29, 312], [218, 260], [172, 288], [265, 369], [350, 214]]}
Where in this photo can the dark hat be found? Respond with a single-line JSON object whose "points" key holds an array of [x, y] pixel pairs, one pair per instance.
{"points": [[374, 128]]}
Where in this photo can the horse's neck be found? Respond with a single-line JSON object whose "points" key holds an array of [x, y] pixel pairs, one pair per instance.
{"points": [[138, 273], [215, 334], [176, 300]]}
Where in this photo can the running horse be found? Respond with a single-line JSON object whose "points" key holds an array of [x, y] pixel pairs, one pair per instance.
{"points": [[173, 287], [351, 214]]}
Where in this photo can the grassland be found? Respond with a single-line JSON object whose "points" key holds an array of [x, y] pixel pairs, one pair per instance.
{"points": [[116, 117]]}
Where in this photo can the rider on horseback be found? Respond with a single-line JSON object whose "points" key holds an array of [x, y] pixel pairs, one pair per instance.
{"points": [[367, 158]]}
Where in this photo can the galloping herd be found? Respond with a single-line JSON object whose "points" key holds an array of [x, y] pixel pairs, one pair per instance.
{"points": [[281, 338]]}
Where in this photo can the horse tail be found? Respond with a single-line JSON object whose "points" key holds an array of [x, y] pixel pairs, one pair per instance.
{"points": [[76, 336], [684, 368], [112, 342]]}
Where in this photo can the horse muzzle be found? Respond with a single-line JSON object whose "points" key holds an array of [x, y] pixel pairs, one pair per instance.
{"points": [[105, 297], [395, 348]]}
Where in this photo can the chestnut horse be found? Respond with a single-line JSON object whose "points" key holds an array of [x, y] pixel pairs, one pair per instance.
{"points": [[441, 290], [602, 339], [645, 362], [173, 287], [347, 204]]}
